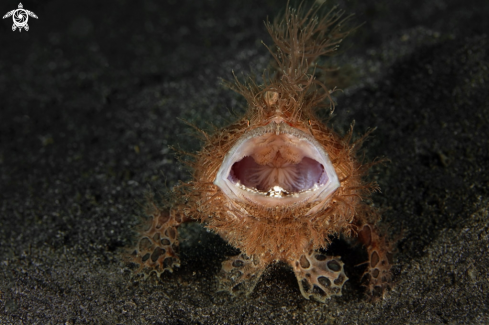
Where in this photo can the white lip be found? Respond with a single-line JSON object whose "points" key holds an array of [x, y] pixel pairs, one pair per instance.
{"points": [[245, 146]]}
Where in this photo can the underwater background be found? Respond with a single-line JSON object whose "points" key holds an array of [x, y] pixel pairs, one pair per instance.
{"points": [[93, 96]]}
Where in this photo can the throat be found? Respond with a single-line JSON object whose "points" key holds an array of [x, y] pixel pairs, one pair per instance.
{"points": [[278, 172]]}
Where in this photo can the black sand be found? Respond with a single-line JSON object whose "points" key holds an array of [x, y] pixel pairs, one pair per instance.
{"points": [[90, 100]]}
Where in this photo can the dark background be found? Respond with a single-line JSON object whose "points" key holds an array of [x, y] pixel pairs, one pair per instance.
{"points": [[90, 101]]}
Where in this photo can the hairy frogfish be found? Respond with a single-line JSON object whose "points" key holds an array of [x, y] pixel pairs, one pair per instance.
{"points": [[278, 184]]}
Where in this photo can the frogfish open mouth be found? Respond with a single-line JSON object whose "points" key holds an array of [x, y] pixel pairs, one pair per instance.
{"points": [[277, 164], [278, 184]]}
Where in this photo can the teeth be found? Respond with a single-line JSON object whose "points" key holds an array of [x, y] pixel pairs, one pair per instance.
{"points": [[276, 191]]}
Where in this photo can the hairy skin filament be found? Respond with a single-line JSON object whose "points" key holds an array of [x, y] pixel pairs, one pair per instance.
{"points": [[278, 184]]}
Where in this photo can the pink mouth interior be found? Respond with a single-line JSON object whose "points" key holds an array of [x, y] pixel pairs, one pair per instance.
{"points": [[292, 177]]}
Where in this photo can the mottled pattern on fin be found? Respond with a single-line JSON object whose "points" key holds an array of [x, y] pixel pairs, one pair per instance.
{"points": [[240, 274], [319, 276], [157, 248], [379, 261]]}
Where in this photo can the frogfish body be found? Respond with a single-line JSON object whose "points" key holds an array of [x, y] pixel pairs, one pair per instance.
{"points": [[278, 184]]}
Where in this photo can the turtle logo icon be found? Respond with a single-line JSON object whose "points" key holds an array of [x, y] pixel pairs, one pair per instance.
{"points": [[20, 17]]}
